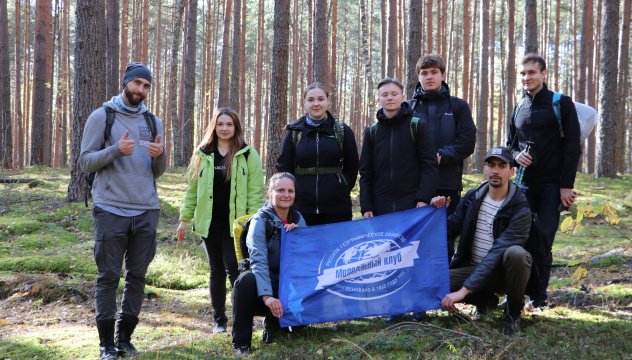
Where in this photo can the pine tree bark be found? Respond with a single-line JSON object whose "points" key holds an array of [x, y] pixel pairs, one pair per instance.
{"points": [[124, 38], [258, 78], [414, 45], [369, 91], [19, 156], [624, 71], [466, 49], [391, 64], [224, 76], [278, 93], [90, 85], [189, 84], [383, 28], [41, 108], [608, 76], [173, 85], [242, 65], [510, 63], [234, 77], [429, 26], [112, 39], [6, 139], [334, 45], [492, 74], [483, 84], [319, 48], [530, 27]]}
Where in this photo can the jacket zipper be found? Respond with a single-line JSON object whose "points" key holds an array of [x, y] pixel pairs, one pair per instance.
{"points": [[317, 165]]}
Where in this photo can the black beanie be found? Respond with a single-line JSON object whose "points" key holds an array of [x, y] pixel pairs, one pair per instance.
{"points": [[136, 70]]}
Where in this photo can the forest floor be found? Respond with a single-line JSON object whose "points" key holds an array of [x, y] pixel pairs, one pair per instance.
{"points": [[47, 277]]}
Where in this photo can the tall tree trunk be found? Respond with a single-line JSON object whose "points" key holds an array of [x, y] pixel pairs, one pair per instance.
{"points": [[173, 85], [369, 91], [319, 48], [19, 157], [414, 45], [66, 86], [234, 77], [429, 25], [510, 63], [6, 146], [278, 93], [483, 83], [159, 53], [391, 65], [466, 49], [383, 28], [112, 39], [606, 160], [258, 77], [556, 56], [41, 108], [492, 82], [334, 42], [124, 38], [90, 85], [189, 84], [624, 70], [242, 65], [530, 36], [224, 77], [591, 68]]}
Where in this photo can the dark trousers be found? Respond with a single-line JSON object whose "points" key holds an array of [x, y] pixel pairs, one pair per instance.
{"points": [[246, 305], [455, 198], [220, 250], [118, 239], [327, 218], [544, 201], [510, 278]]}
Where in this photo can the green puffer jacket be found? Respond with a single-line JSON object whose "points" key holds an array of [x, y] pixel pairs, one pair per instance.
{"points": [[246, 193]]}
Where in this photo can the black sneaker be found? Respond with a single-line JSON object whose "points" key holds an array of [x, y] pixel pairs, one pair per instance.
{"points": [[219, 327], [241, 351], [420, 316], [267, 337], [394, 318], [512, 325]]}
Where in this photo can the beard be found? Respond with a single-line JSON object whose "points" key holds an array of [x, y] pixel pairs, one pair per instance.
{"points": [[130, 97]]}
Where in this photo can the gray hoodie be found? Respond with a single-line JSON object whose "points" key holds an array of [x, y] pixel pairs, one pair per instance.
{"points": [[126, 182]]}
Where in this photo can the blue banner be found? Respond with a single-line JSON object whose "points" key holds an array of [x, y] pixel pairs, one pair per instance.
{"points": [[389, 264]]}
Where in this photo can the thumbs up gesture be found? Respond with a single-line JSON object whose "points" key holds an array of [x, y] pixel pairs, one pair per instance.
{"points": [[126, 146], [156, 149]]}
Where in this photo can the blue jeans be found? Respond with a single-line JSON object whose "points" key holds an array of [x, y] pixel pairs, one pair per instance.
{"points": [[545, 201]]}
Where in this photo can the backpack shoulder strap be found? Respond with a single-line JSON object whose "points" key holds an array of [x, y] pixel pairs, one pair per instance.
{"points": [[339, 132], [150, 119], [414, 122], [296, 137], [413, 104], [109, 122], [372, 131], [557, 109]]}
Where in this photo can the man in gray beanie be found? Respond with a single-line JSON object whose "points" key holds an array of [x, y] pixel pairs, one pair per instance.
{"points": [[122, 143]]}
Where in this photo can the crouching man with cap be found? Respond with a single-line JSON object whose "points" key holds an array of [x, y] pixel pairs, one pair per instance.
{"points": [[127, 160], [494, 222]]}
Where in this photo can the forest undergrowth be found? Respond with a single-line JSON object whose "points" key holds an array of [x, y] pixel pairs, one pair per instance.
{"points": [[47, 277]]}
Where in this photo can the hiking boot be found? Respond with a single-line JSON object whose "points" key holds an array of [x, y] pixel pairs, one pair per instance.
{"points": [[420, 316], [219, 327], [107, 351], [485, 303], [512, 315], [269, 325], [242, 350], [125, 326], [394, 318]]}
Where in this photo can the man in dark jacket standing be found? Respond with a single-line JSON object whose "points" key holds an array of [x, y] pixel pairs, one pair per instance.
{"points": [[451, 126], [398, 165], [551, 164], [493, 222]]}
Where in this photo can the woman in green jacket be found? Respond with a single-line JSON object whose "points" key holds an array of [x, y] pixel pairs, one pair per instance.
{"points": [[225, 182]]}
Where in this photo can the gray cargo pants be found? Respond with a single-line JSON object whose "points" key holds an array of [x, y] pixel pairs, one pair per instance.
{"points": [[119, 238]]}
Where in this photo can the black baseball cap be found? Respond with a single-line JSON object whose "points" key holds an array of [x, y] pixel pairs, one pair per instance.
{"points": [[501, 152]]}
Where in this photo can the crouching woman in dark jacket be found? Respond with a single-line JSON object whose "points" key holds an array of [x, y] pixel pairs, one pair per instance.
{"points": [[256, 291]]}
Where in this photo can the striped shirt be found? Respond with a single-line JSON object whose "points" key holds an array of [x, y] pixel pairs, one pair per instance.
{"points": [[484, 235]]}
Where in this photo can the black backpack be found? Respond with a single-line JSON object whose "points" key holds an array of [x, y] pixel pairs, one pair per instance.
{"points": [[150, 119]]}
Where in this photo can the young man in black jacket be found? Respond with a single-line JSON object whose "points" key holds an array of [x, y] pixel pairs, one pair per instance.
{"points": [[398, 164], [493, 222], [450, 122], [551, 164]]}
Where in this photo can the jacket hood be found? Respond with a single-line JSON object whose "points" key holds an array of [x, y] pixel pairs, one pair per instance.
{"points": [[110, 104], [420, 94], [404, 112]]}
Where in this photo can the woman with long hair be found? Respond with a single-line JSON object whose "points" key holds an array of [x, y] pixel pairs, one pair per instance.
{"points": [[322, 153], [256, 291], [225, 182]]}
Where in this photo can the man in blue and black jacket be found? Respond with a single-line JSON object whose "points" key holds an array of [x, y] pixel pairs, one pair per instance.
{"points": [[551, 164]]}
